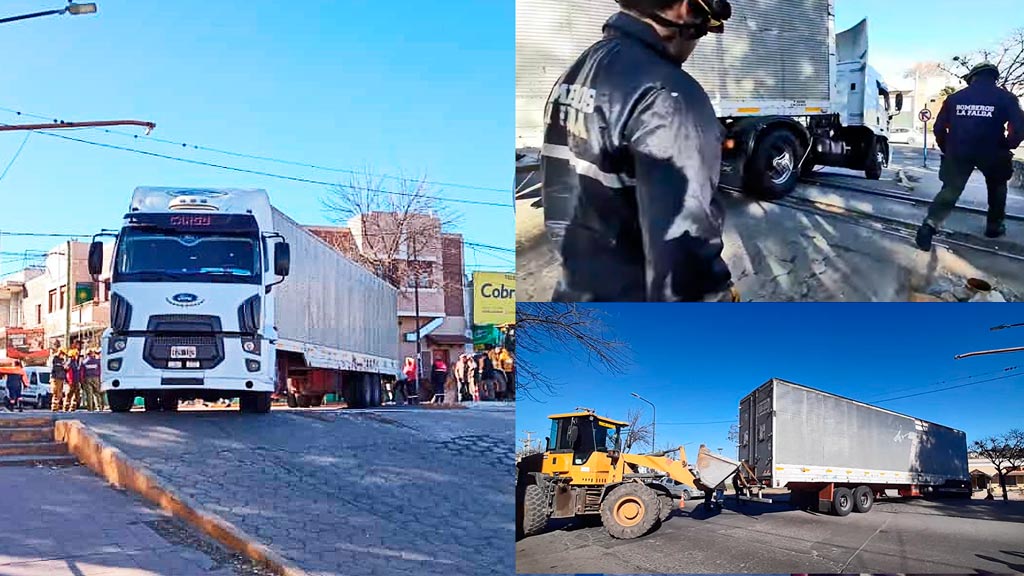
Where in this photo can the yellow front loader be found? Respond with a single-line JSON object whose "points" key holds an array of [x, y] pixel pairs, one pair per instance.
{"points": [[583, 471]]}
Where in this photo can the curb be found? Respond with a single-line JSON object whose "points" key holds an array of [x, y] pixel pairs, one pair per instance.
{"points": [[124, 472]]}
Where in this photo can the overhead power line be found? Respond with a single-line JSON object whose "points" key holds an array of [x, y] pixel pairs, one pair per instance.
{"points": [[951, 388], [259, 157], [269, 174], [16, 154], [698, 423], [946, 381]]}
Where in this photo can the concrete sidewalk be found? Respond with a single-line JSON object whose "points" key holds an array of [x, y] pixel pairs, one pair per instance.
{"points": [[56, 521]]}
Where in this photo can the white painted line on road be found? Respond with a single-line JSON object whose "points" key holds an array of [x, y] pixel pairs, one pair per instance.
{"points": [[884, 524]]}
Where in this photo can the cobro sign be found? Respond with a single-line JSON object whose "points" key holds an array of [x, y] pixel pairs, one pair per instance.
{"points": [[494, 298]]}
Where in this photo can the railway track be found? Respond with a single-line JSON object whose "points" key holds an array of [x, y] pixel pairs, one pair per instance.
{"points": [[892, 226]]}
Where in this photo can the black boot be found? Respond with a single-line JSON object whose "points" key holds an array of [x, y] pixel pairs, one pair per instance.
{"points": [[924, 237], [995, 231]]}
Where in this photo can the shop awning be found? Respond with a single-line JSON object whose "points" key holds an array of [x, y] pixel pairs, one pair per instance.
{"points": [[449, 339], [980, 473]]}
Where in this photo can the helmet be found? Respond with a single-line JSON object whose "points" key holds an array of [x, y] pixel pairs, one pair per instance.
{"points": [[982, 67]]}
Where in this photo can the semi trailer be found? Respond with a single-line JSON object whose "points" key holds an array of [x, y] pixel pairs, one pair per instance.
{"points": [[791, 93], [215, 294], [836, 454]]}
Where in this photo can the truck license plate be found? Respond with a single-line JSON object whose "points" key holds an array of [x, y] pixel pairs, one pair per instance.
{"points": [[183, 351]]}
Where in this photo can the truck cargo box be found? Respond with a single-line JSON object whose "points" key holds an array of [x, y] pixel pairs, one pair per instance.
{"points": [[791, 433], [333, 310], [774, 57]]}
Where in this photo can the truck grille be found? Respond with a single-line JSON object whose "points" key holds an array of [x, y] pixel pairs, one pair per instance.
{"points": [[170, 330]]}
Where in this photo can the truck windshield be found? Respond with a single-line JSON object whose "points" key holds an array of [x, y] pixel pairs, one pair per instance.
{"points": [[163, 256]]}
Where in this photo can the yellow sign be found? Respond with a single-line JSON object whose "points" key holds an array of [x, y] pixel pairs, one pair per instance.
{"points": [[494, 298]]}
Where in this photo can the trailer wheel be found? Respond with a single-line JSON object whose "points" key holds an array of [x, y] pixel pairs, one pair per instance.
{"points": [[535, 510], [863, 499], [773, 169], [630, 511], [151, 402], [120, 400], [317, 400], [292, 401], [875, 161], [842, 501], [303, 401], [375, 392]]}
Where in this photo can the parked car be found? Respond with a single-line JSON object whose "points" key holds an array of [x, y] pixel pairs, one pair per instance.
{"points": [[905, 136], [37, 387], [680, 490]]}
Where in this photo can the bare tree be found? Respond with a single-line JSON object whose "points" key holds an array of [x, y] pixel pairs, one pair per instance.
{"points": [[1007, 55], [637, 433], [1005, 452], [734, 434], [573, 332], [392, 222]]}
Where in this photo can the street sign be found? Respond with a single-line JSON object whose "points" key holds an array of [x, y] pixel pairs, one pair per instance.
{"points": [[83, 292], [925, 115]]}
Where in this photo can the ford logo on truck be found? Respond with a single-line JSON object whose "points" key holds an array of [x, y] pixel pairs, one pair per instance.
{"points": [[185, 299]]}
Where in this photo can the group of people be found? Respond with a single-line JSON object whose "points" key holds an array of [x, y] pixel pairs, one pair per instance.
{"points": [[482, 376], [82, 376]]}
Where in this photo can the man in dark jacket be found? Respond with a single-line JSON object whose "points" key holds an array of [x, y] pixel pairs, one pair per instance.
{"points": [[978, 127], [57, 378], [631, 160]]}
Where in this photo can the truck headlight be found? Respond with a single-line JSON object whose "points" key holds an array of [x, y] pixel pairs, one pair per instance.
{"points": [[117, 344], [251, 344], [252, 365], [114, 364]]}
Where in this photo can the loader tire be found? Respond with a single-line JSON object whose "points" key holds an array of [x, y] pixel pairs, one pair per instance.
{"points": [[667, 506], [630, 511], [535, 510], [863, 499]]}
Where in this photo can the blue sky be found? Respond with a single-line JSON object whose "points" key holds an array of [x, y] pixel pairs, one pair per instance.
{"points": [[905, 32], [695, 363], [400, 86]]}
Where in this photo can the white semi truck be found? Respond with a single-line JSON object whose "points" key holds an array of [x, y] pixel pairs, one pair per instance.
{"points": [[216, 294], [792, 94]]}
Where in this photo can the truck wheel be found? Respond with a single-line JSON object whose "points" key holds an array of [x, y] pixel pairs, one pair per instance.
{"points": [[630, 511], [842, 501], [303, 401], [151, 402], [375, 390], [292, 401], [772, 170], [120, 400], [535, 510], [317, 400], [169, 402], [863, 499], [875, 161], [261, 402]]}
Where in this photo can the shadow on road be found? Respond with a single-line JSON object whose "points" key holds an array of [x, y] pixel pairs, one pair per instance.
{"points": [[1011, 565]]}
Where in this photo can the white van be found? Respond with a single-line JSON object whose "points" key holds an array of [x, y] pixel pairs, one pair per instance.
{"points": [[37, 387]]}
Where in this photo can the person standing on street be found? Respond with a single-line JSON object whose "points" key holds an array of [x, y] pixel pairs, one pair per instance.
{"points": [[73, 369], [631, 160], [58, 376], [978, 127], [15, 384], [408, 384], [91, 382]]}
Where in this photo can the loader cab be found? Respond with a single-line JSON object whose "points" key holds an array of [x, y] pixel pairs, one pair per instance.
{"points": [[578, 436]]}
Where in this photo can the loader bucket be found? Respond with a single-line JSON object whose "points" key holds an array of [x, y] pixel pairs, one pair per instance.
{"points": [[713, 469]]}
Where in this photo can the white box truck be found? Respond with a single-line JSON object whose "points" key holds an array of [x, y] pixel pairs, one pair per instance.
{"points": [[836, 454], [216, 294], [791, 93]]}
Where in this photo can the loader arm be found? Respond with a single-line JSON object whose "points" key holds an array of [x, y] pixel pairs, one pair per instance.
{"points": [[678, 470]]}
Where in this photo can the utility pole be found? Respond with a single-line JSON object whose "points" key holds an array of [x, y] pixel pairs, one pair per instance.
{"points": [[654, 416], [416, 299], [68, 300], [528, 443]]}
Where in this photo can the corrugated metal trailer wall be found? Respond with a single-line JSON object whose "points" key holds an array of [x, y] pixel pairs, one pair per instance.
{"points": [[783, 425], [331, 301], [772, 50]]}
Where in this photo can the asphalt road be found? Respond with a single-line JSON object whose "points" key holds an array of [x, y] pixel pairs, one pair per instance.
{"points": [[907, 536], [337, 491]]}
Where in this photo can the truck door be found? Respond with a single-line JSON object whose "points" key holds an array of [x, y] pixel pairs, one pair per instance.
{"points": [[756, 426]]}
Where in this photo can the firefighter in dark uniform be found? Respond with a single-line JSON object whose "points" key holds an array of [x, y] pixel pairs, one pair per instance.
{"points": [[978, 127], [631, 159]]}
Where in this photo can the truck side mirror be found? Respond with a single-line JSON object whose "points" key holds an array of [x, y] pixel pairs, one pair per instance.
{"points": [[899, 102], [547, 443], [96, 258], [282, 258]]}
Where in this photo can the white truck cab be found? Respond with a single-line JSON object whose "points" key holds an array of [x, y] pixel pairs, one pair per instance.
{"points": [[192, 300]]}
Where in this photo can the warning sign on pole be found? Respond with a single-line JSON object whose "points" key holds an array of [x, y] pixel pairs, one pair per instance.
{"points": [[925, 115]]}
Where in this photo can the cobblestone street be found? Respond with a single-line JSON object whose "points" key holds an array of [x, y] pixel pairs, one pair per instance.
{"points": [[336, 491]]}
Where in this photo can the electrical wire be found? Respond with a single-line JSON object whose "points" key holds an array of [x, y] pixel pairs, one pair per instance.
{"points": [[950, 388], [254, 156], [696, 423], [15, 157], [946, 381], [269, 174]]}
